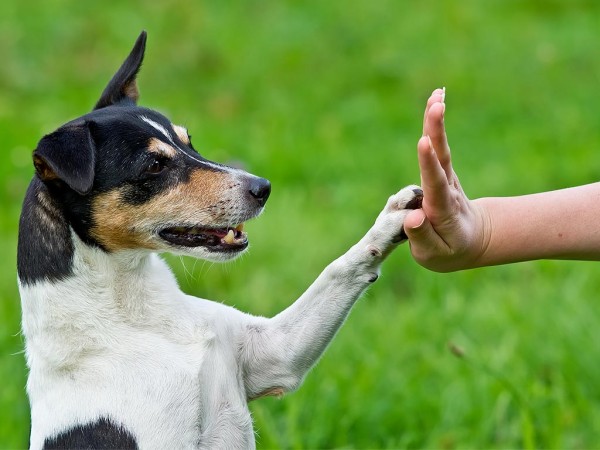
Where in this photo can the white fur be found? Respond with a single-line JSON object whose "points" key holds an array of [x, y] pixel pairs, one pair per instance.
{"points": [[158, 127], [118, 339]]}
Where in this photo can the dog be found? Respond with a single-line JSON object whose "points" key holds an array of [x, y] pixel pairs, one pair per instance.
{"points": [[118, 356]]}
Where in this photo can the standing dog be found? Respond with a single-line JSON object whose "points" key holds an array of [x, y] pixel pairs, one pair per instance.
{"points": [[118, 356]]}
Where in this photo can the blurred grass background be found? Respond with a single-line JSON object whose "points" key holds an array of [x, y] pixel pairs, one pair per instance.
{"points": [[325, 99]]}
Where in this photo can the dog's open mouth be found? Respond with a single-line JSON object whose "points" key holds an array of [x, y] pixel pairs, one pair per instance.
{"points": [[216, 239]]}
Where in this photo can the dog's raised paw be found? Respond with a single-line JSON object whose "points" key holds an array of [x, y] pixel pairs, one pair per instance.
{"points": [[410, 197], [389, 226]]}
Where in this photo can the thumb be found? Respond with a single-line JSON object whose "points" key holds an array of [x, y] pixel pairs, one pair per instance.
{"points": [[422, 237], [414, 220]]}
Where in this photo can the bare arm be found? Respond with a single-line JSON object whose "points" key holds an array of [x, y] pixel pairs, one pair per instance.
{"points": [[452, 232], [562, 224]]}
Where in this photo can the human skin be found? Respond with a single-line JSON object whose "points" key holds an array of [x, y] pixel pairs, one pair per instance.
{"points": [[453, 233]]}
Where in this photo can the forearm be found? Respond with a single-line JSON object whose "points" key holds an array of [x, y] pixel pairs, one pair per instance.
{"points": [[562, 224]]}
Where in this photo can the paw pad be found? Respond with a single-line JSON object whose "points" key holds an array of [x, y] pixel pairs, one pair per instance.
{"points": [[374, 251], [373, 278], [411, 197], [417, 201]]}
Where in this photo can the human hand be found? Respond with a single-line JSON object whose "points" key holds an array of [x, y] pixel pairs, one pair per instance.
{"points": [[450, 232]]}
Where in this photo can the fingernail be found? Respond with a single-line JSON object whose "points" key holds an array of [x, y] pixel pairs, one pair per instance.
{"points": [[420, 224], [443, 110], [443, 94], [430, 144]]}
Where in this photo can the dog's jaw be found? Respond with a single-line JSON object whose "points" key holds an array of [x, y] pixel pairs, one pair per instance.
{"points": [[215, 239], [215, 244]]}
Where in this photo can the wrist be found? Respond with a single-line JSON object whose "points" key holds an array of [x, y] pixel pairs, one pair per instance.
{"points": [[481, 250]]}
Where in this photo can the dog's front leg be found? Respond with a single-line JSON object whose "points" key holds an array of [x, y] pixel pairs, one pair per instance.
{"points": [[277, 353]]}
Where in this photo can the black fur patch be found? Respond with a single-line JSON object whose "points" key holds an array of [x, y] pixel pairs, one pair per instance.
{"points": [[122, 88], [44, 252], [69, 154], [102, 434], [123, 157]]}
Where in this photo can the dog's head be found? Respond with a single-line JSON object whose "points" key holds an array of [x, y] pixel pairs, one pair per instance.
{"points": [[127, 178]]}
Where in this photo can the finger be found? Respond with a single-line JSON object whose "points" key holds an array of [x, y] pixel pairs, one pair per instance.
{"points": [[436, 131], [436, 96], [434, 182], [422, 237]]}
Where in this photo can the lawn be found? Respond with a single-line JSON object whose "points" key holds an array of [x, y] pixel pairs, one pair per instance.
{"points": [[325, 99]]}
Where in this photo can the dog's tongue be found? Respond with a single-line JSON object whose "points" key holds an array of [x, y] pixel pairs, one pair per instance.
{"points": [[221, 232]]}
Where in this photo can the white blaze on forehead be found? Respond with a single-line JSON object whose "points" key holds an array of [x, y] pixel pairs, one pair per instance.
{"points": [[164, 131], [158, 127]]}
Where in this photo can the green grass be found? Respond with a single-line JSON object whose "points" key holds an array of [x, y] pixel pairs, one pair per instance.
{"points": [[325, 99]]}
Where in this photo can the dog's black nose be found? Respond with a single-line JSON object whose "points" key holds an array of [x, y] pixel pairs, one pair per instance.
{"points": [[260, 189]]}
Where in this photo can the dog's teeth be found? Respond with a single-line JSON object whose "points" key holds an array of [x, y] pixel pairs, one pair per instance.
{"points": [[230, 237], [240, 227]]}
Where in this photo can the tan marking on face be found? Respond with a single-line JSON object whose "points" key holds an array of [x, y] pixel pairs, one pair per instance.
{"points": [[202, 200], [115, 224], [159, 147], [181, 133]]}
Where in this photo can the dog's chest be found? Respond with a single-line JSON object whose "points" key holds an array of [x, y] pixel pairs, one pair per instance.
{"points": [[171, 382], [161, 392]]}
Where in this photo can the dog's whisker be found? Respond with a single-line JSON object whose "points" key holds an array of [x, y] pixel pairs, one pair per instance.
{"points": [[194, 270], [185, 271]]}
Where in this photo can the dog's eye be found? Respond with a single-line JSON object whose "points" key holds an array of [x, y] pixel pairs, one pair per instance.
{"points": [[156, 166]]}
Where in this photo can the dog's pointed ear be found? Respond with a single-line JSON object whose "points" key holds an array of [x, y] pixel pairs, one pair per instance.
{"points": [[122, 88], [68, 154]]}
